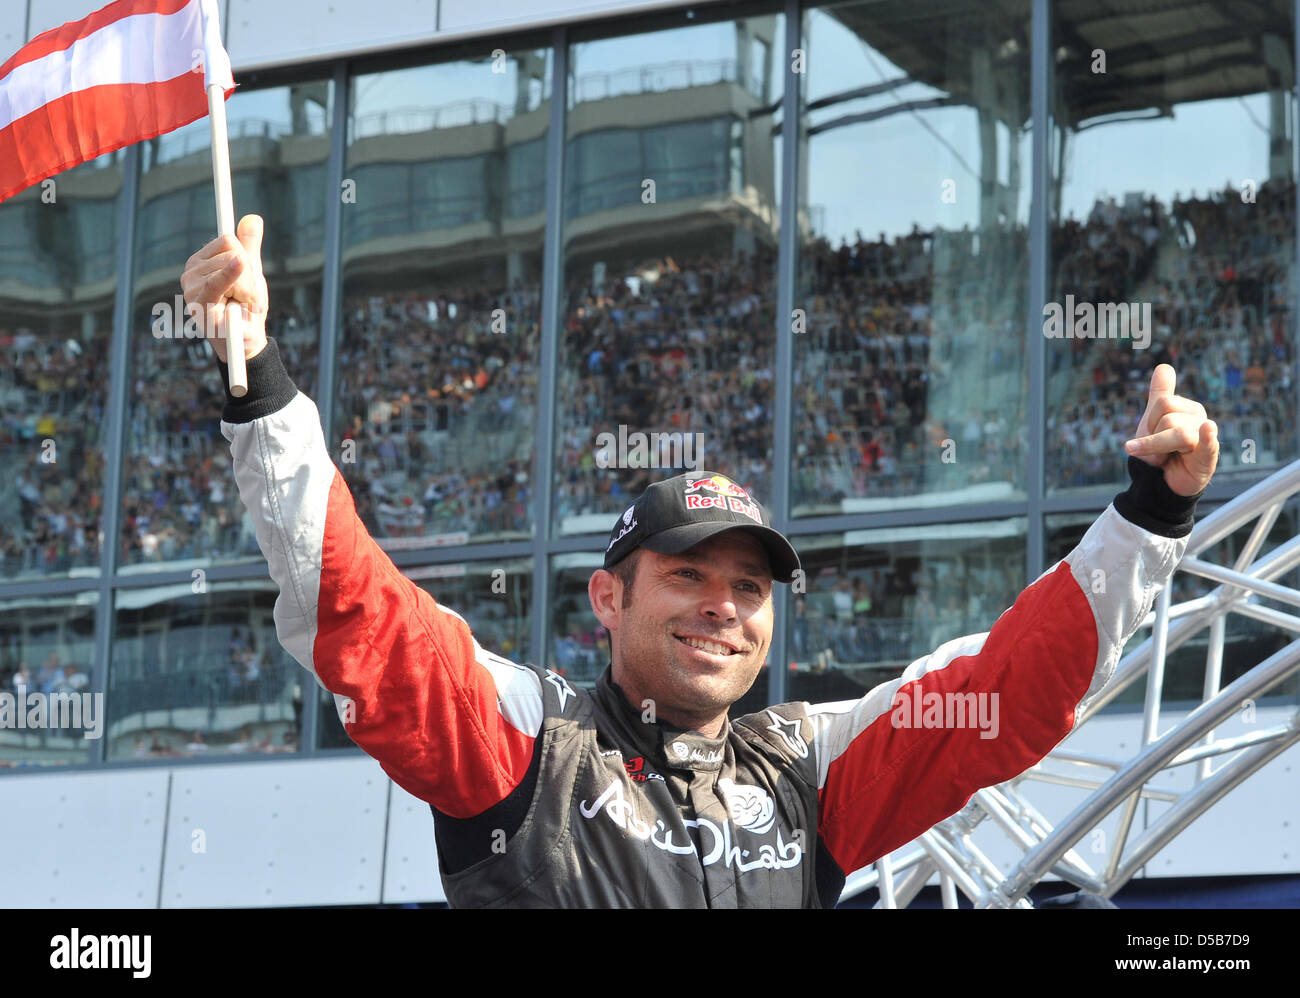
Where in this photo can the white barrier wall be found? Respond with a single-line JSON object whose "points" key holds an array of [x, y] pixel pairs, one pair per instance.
{"points": [[83, 840], [337, 831], [284, 833], [302, 834]]}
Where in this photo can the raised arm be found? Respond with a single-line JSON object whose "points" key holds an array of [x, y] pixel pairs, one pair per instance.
{"points": [[450, 722], [982, 709]]}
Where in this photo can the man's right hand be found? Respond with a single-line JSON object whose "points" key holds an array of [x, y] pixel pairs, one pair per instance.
{"points": [[230, 270]]}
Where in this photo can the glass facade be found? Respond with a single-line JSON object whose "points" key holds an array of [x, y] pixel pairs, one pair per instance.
{"points": [[875, 600], [57, 285], [900, 271], [1173, 237], [47, 660], [671, 208], [179, 504], [442, 220], [910, 372], [197, 671]]}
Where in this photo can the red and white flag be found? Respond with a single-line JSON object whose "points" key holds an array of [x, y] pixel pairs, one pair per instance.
{"points": [[128, 72]]}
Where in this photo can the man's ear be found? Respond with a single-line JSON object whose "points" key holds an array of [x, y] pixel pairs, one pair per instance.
{"points": [[606, 593]]}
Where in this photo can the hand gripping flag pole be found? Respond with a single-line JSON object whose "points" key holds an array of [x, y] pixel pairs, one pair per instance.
{"points": [[229, 318]]}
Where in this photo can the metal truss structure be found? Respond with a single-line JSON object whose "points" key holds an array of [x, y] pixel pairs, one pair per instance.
{"points": [[948, 849]]}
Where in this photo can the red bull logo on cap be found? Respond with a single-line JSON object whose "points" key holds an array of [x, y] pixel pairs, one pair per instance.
{"points": [[717, 484], [720, 492]]}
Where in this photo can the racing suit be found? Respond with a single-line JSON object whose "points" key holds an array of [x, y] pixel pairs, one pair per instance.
{"points": [[545, 794]]}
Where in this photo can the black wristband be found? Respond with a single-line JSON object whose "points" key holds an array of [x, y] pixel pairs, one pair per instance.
{"points": [[1153, 505], [270, 388]]}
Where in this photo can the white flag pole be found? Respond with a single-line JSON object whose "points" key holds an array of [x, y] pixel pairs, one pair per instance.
{"points": [[230, 318]]}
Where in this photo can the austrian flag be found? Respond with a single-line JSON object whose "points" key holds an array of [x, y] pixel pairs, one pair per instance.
{"points": [[128, 72]]}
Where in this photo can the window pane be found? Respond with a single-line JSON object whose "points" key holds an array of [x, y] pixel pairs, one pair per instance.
{"points": [[1154, 257], [910, 370], [579, 643], [442, 237], [179, 498], [878, 599], [58, 271], [201, 674], [495, 598], [670, 208], [49, 712]]}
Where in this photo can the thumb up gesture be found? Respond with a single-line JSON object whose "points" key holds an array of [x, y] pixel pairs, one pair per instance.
{"points": [[1175, 435]]}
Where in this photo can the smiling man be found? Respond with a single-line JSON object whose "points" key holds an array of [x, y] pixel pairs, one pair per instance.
{"points": [[642, 792], [698, 552]]}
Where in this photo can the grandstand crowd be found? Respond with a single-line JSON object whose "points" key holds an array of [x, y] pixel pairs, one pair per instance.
{"points": [[1217, 273], [51, 448], [439, 409], [440, 406], [677, 347], [883, 407]]}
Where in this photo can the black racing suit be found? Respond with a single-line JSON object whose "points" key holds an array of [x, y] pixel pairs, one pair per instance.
{"points": [[545, 794]]}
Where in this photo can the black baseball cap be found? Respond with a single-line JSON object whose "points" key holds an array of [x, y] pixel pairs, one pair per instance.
{"points": [[676, 514]]}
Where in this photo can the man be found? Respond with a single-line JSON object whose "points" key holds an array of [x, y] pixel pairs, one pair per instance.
{"points": [[642, 793]]}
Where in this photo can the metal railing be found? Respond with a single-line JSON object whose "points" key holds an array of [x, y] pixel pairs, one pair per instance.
{"points": [[1113, 784], [178, 145], [405, 120], [654, 78]]}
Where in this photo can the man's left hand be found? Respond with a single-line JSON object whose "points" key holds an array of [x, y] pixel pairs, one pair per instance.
{"points": [[1176, 435]]}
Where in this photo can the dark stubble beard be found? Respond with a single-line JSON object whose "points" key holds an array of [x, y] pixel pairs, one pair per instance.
{"points": [[694, 704]]}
